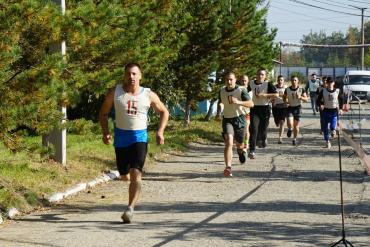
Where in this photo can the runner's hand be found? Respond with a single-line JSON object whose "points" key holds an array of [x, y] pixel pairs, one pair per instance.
{"points": [[107, 139], [160, 138]]}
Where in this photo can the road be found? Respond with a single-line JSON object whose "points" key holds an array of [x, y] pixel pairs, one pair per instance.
{"points": [[287, 196]]}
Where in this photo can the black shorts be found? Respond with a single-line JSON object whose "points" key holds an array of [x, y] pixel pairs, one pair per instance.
{"points": [[132, 156], [279, 113], [229, 127], [295, 112]]}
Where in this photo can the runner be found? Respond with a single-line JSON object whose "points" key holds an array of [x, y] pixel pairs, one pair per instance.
{"points": [[330, 101], [322, 86], [262, 91], [311, 87], [131, 103], [233, 99], [279, 108], [244, 82], [293, 96]]}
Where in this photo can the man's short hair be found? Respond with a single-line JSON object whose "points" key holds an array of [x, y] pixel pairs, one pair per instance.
{"points": [[313, 74], [131, 65], [230, 73], [261, 69], [329, 80]]}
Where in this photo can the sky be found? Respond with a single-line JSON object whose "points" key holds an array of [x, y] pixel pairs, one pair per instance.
{"points": [[294, 19]]}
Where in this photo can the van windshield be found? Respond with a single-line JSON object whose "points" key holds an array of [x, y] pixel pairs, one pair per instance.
{"points": [[359, 80]]}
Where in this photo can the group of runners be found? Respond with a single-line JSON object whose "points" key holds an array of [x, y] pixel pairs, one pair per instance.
{"points": [[247, 108], [246, 114]]}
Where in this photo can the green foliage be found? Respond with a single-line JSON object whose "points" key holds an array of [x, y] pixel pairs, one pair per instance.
{"points": [[332, 56], [82, 126], [178, 43]]}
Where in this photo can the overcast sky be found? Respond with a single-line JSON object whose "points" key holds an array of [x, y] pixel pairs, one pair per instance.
{"points": [[294, 19]]}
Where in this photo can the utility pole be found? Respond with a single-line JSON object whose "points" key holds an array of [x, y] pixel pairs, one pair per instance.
{"points": [[280, 64], [362, 39], [362, 36], [58, 137]]}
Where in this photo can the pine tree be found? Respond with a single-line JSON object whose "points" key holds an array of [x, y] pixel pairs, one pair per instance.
{"points": [[197, 56]]}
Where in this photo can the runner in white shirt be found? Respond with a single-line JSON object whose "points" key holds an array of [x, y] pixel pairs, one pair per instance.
{"points": [[293, 96], [131, 104], [279, 108]]}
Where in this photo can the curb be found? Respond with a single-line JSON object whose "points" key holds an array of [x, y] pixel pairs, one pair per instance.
{"points": [[56, 197]]}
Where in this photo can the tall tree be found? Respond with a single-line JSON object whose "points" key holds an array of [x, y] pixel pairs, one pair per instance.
{"points": [[101, 37], [246, 43], [197, 56], [27, 89]]}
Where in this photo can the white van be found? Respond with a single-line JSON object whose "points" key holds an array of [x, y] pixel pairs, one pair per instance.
{"points": [[357, 82]]}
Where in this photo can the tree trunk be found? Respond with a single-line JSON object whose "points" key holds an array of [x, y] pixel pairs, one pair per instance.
{"points": [[187, 114], [209, 113]]}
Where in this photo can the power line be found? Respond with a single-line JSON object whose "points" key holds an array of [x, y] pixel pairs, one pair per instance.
{"points": [[322, 8], [331, 4], [301, 14], [322, 46], [346, 4], [358, 1]]}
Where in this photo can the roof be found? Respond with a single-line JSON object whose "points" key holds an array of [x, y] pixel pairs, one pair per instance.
{"points": [[358, 72]]}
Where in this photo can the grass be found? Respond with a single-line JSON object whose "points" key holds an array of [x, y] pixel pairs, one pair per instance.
{"points": [[29, 176]]}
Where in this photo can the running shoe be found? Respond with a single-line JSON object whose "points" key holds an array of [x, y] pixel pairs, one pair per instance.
{"points": [[280, 141], [227, 172], [259, 144], [332, 133], [127, 215], [251, 155], [294, 142], [289, 133], [328, 145], [242, 157], [264, 144]]}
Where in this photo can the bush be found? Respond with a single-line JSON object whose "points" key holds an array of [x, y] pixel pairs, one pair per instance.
{"points": [[83, 127]]}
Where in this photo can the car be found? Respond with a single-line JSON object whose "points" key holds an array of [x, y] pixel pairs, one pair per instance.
{"points": [[356, 85]]}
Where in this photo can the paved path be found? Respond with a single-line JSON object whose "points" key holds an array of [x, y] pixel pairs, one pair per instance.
{"points": [[287, 196]]}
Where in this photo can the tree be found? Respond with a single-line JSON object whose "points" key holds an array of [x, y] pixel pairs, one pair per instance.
{"points": [[196, 57], [102, 36], [28, 92], [246, 43]]}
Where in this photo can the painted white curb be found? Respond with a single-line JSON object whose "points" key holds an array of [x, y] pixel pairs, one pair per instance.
{"points": [[12, 213], [56, 197], [111, 175]]}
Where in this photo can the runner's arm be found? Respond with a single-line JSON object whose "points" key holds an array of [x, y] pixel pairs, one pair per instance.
{"points": [[103, 116], [160, 108]]}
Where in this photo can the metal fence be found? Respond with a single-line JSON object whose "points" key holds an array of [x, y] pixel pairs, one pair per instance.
{"points": [[334, 72]]}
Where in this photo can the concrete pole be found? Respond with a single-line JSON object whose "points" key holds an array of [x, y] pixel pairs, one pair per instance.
{"points": [[280, 57], [362, 40], [58, 137]]}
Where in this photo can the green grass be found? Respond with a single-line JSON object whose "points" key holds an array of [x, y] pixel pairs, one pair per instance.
{"points": [[29, 176]]}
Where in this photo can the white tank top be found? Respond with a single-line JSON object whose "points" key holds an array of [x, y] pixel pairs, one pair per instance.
{"points": [[293, 95], [231, 110], [331, 99], [247, 110], [280, 90], [258, 89], [131, 110]]}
